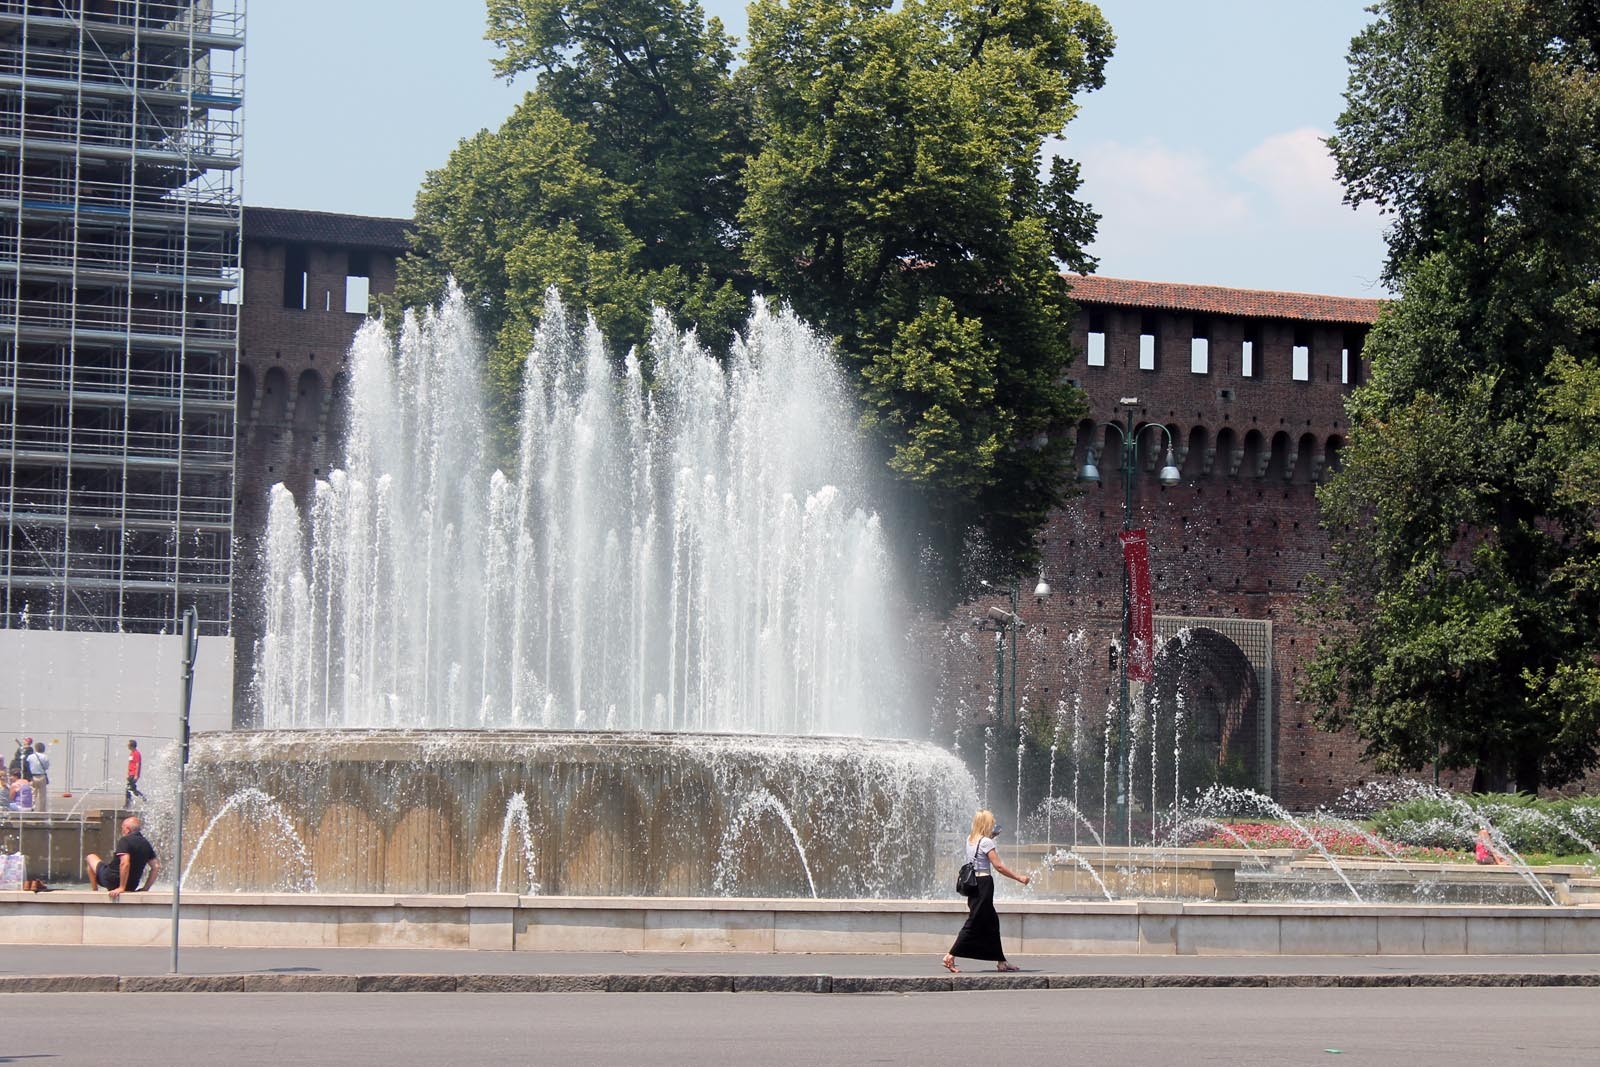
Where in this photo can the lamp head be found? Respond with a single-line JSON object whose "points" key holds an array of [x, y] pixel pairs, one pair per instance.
{"points": [[1089, 472], [1042, 590], [1170, 474]]}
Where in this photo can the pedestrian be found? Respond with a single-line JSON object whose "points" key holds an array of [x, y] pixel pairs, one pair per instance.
{"points": [[19, 761], [135, 764], [134, 857], [979, 938], [39, 771]]}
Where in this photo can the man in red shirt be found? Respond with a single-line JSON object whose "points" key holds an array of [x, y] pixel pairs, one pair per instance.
{"points": [[135, 763]]}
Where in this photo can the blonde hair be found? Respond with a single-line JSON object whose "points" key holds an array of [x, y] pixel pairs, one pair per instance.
{"points": [[982, 825]]}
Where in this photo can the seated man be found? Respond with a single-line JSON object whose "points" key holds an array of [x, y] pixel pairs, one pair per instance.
{"points": [[134, 857], [19, 795]]}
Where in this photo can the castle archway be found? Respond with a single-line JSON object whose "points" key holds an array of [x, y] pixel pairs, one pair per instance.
{"points": [[1207, 703]]}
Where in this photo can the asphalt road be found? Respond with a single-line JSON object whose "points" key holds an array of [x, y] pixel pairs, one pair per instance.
{"points": [[1169, 1027]]}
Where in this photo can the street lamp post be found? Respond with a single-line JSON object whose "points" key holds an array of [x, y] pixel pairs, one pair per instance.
{"points": [[999, 621], [1129, 431]]}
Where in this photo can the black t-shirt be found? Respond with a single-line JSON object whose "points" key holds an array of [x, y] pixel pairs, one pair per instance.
{"points": [[139, 851]]}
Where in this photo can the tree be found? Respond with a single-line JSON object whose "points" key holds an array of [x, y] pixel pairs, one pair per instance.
{"points": [[876, 165], [1462, 607], [615, 180], [897, 200]]}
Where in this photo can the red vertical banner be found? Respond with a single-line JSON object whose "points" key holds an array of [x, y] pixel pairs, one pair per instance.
{"points": [[1141, 608]]}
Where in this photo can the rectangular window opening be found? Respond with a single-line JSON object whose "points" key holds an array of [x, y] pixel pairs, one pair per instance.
{"points": [[1147, 343], [1300, 361], [357, 295], [1200, 347], [296, 272], [1344, 366], [1247, 358], [1095, 351]]}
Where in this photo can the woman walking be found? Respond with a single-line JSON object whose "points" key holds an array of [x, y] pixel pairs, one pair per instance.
{"points": [[979, 938]]}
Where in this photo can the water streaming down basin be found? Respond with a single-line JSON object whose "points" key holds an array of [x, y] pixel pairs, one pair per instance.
{"points": [[659, 644], [607, 814]]}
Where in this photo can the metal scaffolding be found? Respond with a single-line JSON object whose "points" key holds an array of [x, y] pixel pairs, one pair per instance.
{"points": [[119, 264]]}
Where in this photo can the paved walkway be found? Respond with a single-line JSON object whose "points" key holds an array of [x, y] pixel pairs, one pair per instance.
{"points": [[79, 968]]}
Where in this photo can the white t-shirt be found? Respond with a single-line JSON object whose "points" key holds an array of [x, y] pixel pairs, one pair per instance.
{"points": [[38, 765], [978, 854]]}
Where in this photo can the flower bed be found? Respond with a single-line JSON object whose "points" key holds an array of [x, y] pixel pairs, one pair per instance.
{"points": [[1338, 842]]}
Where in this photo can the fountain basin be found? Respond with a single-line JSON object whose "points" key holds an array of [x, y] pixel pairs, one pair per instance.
{"points": [[580, 813], [506, 921], [1287, 876]]}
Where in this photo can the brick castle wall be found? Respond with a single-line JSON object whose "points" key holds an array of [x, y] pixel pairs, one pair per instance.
{"points": [[1238, 538], [292, 383]]}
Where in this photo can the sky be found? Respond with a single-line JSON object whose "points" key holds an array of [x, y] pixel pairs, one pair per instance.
{"points": [[1203, 154]]}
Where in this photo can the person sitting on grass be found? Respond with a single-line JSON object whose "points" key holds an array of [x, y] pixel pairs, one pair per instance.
{"points": [[134, 857]]}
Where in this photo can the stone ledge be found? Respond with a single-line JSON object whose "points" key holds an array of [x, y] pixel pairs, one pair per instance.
{"points": [[58, 983], [531, 983], [181, 983], [782, 983], [954, 906], [929, 984], [407, 983], [981, 980], [669, 983], [768, 983]]}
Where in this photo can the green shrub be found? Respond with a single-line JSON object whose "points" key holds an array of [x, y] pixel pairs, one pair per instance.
{"points": [[1527, 823]]}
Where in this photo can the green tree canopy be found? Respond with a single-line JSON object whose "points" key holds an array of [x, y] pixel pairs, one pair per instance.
{"points": [[1463, 609], [616, 178], [898, 200], [876, 165]]}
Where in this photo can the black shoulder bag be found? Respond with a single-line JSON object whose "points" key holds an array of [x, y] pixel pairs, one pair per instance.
{"points": [[967, 876]]}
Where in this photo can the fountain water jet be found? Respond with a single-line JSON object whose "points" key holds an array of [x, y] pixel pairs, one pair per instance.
{"points": [[680, 559]]}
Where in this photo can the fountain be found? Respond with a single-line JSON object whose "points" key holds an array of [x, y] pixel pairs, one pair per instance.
{"points": [[663, 657], [671, 631]]}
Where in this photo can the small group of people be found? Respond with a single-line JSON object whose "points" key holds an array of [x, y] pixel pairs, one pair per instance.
{"points": [[25, 780], [27, 777]]}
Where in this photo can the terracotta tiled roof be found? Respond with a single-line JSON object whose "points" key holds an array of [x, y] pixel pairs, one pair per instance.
{"points": [[325, 228], [1217, 300]]}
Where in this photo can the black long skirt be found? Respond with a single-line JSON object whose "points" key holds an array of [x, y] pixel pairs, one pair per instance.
{"points": [[979, 938]]}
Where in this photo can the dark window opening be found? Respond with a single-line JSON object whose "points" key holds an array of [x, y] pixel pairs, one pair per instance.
{"points": [[296, 273]]}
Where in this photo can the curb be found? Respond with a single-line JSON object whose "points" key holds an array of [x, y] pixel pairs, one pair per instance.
{"points": [[755, 983]]}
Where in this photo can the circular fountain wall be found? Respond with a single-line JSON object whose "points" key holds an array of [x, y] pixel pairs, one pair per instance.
{"points": [[571, 813]]}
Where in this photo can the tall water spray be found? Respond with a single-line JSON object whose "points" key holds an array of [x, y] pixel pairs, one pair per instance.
{"points": [[694, 553]]}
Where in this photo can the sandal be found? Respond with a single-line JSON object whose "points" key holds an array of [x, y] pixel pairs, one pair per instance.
{"points": [[950, 965], [1004, 966]]}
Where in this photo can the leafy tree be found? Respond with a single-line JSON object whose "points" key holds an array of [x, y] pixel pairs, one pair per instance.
{"points": [[877, 165], [897, 200], [651, 81], [614, 180], [1462, 607]]}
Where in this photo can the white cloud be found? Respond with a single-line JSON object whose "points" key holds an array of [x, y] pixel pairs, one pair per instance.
{"points": [[1296, 173], [1271, 218], [1149, 188]]}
